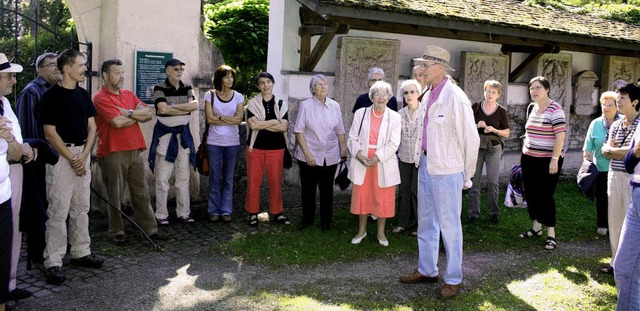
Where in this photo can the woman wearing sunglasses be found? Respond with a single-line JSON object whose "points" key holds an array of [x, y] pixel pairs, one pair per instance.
{"points": [[410, 90]]}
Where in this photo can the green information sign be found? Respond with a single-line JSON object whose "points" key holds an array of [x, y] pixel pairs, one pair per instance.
{"points": [[149, 71]]}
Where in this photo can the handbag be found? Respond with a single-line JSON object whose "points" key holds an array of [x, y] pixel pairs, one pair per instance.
{"points": [[287, 161], [202, 155], [342, 180]]}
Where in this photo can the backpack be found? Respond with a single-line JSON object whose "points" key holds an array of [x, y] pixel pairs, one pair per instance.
{"points": [[514, 196]]}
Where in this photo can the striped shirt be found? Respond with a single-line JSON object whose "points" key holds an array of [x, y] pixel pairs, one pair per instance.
{"points": [[409, 135], [541, 130], [621, 137]]}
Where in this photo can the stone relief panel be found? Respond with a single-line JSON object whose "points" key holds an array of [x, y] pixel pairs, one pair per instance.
{"points": [[557, 68], [583, 87], [476, 68], [356, 55], [618, 68]]}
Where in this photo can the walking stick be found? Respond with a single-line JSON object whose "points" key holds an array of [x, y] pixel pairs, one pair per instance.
{"points": [[155, 246]]}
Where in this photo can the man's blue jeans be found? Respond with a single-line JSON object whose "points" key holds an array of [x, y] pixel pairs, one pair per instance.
{"points": [[222, 166], [439, 208]]}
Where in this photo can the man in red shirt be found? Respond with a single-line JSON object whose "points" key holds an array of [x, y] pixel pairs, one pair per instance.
{"points": [[120, 143]]}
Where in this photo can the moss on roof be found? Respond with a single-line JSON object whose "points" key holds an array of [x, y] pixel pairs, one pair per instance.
{"points": [[511, 13]]}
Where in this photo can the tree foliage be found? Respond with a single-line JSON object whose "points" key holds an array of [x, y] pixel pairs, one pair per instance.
{"points": [[627, 11], [240, 29], [51, 14]]}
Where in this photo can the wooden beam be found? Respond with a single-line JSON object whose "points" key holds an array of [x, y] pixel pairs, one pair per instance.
{"points": [[305, 49], [549, 48], [312, 25], [478, 36], [516, 73], [309, 63]]}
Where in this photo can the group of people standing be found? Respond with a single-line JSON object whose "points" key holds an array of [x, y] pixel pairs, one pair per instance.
{"points": [[433, 147], [611, 146]]}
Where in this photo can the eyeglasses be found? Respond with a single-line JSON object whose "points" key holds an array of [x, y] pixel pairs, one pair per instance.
{"points": [[374, 80], [178, 69], [379, 95], [50, 65], [536, 88], [427, 65], [409, 92]]}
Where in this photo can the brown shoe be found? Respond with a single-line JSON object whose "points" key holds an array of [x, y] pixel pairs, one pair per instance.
{"points": [[417, 277], [449, 291]]}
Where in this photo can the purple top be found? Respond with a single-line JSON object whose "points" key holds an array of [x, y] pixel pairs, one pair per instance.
{"points": [[435, 93]]}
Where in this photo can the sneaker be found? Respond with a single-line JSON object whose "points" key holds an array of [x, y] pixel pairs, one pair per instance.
{"points": [[398, 230], [163, 222], [602, 231], [186, 220], [160, 236], [55, 276], [89, 261]]}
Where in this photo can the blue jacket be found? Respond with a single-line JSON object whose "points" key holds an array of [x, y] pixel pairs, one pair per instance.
{"points": [[186, 141], [27, 109]]}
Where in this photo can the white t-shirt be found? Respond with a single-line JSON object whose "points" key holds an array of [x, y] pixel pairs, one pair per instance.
{"points": [[224, 135]]}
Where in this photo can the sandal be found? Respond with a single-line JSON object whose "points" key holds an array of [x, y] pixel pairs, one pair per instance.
{"points": [[530, 233], [550, 244], [282, 219], [186, 220], [607, 270], [253, 220]]}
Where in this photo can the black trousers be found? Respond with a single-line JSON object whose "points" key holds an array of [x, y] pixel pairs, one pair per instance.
{"points": [[6, 236], [539, 188], [311, 179], [602, 200]]}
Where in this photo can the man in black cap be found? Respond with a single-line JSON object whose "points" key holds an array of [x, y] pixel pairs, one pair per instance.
{"points": [[172, 148]]}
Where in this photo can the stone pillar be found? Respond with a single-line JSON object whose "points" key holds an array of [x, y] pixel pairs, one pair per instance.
{"points": [[476, 68], [618, 68], [356, 55]]}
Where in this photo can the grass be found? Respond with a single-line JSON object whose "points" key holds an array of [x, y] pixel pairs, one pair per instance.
{"points": [[547, 282], [576, 222]]}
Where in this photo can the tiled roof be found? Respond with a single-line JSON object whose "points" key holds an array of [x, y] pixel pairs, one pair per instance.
{"points": [[511, 13]]}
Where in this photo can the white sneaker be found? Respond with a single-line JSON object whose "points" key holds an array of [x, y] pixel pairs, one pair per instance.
{"points": [[602, 231]]}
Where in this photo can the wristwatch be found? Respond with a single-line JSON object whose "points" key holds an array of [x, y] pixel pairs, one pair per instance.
{"points": [[130, 113]]}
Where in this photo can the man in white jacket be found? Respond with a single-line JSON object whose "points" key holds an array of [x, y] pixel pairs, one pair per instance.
{"points": [[446, 153]]}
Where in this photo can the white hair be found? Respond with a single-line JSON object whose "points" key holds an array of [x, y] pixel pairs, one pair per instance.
{"points": [[380, 86], [373, 71]]}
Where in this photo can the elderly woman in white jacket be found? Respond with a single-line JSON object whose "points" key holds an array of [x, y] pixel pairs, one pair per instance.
{"points": [[373, 141]]}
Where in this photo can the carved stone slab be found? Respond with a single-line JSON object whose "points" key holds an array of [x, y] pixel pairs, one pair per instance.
{"points": [[583, 86], [557, 68], [476, 68], [618, 68], [356, 55]]}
